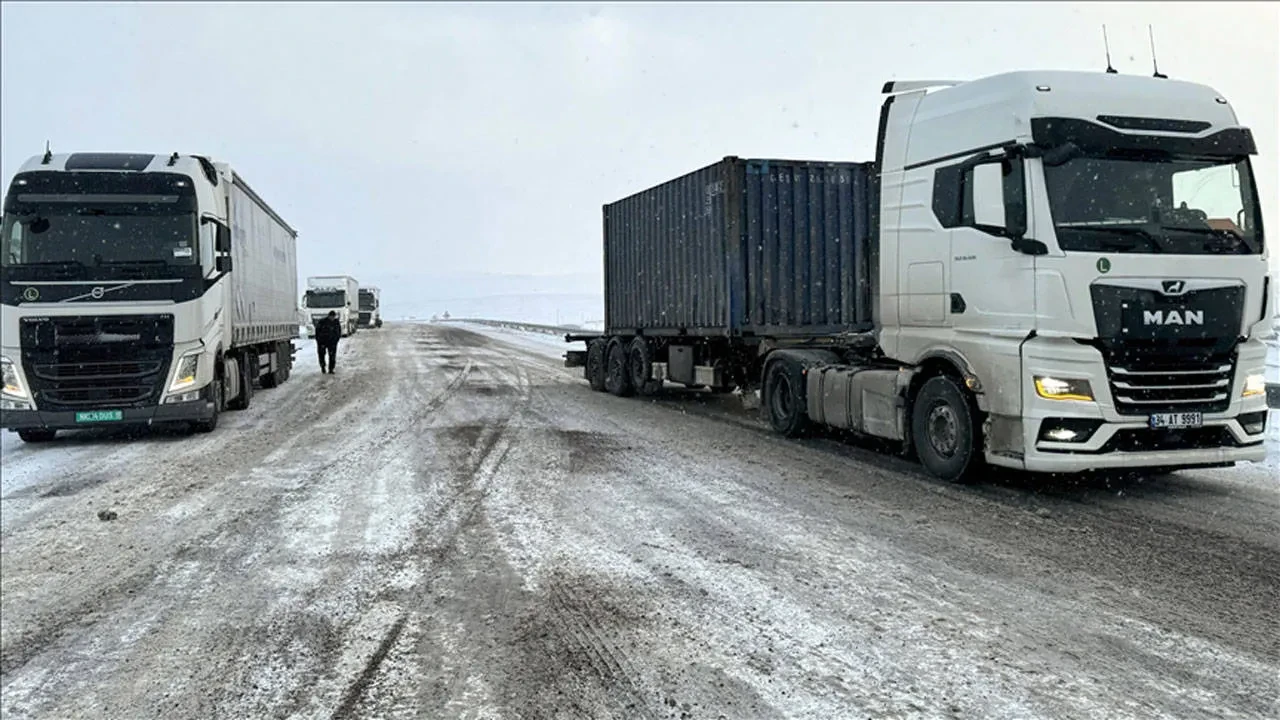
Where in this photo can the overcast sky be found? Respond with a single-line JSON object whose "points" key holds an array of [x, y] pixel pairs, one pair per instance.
{"points": [[404, 139]]}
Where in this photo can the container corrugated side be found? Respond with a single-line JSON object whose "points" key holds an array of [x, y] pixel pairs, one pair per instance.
{"points": [[770, 247], [806, 246]]}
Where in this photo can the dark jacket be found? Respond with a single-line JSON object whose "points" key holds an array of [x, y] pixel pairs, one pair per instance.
{"points": [[328, 330]]}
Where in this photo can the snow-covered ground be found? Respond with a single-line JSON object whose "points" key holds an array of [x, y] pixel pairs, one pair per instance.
{"points": [[455, 526]]}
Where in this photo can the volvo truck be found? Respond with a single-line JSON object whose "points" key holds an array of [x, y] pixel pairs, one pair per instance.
{"points": [[138, 289], [370, 307], [1047, 271], [336, 293]]}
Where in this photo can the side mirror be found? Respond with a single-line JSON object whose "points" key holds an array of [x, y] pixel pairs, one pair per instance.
{"points": [[988, 196], [223, 263], [223, 241]]}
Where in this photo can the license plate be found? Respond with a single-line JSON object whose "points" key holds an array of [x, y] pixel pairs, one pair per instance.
{"points": [[93, 416], [1177, 420]]}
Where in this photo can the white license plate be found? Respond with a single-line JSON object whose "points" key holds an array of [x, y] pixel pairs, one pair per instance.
{"points": [[1177, 420]]}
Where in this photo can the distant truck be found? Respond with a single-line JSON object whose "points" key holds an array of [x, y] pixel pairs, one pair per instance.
{"points": [[370, 307], [139, 289], [339, 293], [1047, 271]]}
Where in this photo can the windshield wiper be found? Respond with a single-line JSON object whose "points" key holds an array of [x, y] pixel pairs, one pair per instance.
{"points": [[1121, 232]]}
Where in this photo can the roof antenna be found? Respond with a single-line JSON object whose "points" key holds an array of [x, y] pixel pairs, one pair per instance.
{"points": [[1151, 34], [1107, 45], [48, 154]]}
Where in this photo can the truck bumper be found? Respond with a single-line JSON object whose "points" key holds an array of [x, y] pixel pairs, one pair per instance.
{"points": [[194, 411], [1078, 436]]}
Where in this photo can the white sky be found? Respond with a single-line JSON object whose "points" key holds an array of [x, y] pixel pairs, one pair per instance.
{"points": [[437, 139]]}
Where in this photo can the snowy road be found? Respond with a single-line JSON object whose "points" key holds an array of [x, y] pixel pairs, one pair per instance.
{"points": [[455, 526]]}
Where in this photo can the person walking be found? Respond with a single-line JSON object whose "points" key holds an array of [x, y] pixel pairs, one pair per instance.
{"points": [[328, 332]]}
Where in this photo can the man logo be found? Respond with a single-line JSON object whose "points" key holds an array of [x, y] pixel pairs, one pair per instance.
{"points": [[31, 294], [1174, 287], [1172, 317]]}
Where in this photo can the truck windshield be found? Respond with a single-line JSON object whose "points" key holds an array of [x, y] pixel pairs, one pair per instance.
{"points": [[326, 299], [1185, 206], [98, 234], [366, 301]]}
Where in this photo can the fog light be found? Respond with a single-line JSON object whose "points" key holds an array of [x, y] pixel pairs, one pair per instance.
{"points": [[1254, 423], [182, 398], [6, 404], [1068, 430]]}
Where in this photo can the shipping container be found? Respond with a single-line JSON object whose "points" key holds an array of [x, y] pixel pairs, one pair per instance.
{"points": [[264, 279], [743, 247]]}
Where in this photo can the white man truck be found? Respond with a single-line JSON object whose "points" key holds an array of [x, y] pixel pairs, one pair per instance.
{"points": [[337, 293], [370, 307], [1048, 271], [139, 289]]}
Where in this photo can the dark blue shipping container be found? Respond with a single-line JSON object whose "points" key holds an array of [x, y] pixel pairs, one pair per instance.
{"points": [[743, 247]]}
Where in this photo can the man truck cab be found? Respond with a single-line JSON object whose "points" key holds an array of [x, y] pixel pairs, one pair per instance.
{"points": [[1086, 252]]}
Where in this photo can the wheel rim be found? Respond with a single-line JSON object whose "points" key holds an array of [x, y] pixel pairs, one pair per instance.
{"points": [[944, 430]]}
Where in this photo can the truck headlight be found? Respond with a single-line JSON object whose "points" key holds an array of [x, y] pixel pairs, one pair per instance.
{"points": [[1254, 384], [184, 376], [13, 386], [1055, 388]]}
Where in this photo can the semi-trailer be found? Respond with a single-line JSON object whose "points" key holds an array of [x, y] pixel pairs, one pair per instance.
{"points": [[1048, 271], [138, 289]]}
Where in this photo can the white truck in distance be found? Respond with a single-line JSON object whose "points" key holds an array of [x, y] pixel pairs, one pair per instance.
{"points": [[339, 293], [139, 289], [370, 307], [1063, 271]]}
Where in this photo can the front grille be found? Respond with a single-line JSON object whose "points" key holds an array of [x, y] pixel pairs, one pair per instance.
{"points": [[112, 371], [1189, 388], [365, 316], [97, 362], [1158, 376]]}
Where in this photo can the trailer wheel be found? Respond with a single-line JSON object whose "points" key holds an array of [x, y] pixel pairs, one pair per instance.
{"points": [[281, 373], [37, 436], [784, 399], [617, 378], [640, 362], [274, 378], [596, 370], [944, 430]]}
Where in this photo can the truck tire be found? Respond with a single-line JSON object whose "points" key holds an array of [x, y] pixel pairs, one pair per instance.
{"points": [[37, 436], [596, 350], [281, 373], [617, 378], [208, 426], [640, 363], [784, 399], [945, 432], [248, 373]]}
